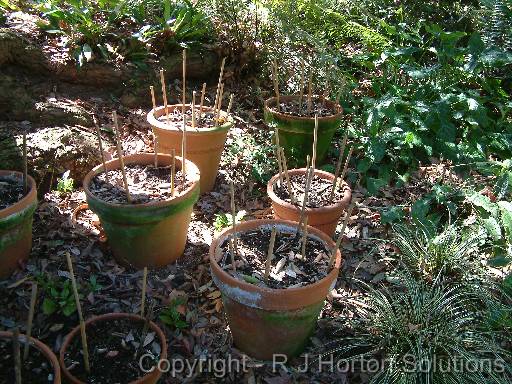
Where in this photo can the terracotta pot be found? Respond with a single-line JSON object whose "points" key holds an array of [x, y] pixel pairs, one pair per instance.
{"points": [[16, 228], [266, 321], [296, 133], [204, 146], [325, 218], [146, 235], [44, 349], [150, 378]]}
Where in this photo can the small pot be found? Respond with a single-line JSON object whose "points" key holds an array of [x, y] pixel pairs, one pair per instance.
{"points": [[325, 218], [153, 234], [265, 321], [16, 228], [296, 132], [150, 378], [44, 349], [204, 146]]}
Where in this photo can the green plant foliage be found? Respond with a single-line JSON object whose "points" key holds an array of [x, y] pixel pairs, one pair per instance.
{"points": [[58, 296], [65, 184], [171, 316], [420, 324], [224, 220]]}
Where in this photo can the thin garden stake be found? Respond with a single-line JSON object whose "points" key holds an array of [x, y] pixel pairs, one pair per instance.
{"points": [[287, 176], [304, 238], [338, 168], [310, 91], [164, 94], [221, 94], [301, 94], [184, 95], [155, 140], [173, 170], [230, 105], [120, 155], [342, 233], [80, 316], [232, 251], [17, 354], [315, 143], [202, 101], [309, 171], [25, 164], [193, 109], [270, 252], [345, 167], [221, 75], [144, 285], [233, 215], [100, 146], [275, 80], [278, 157], [31, 311], [184, 151]]}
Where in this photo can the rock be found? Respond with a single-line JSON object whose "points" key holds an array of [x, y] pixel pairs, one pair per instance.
{"points": [[61, 112]]}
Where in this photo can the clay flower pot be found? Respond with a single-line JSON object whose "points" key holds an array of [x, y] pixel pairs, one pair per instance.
{"points": [[16, 228], [150, 378], [325, 218], [204, 145], [153, 234], [44, 349], [266, 321], [296, 132]]}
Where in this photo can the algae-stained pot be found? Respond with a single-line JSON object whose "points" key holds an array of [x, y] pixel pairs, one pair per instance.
{"points": [[51, 369], [16, 225], [296, 132], [205, 143], [269, 321], [151, 234], [324, 218], [101, 364]]}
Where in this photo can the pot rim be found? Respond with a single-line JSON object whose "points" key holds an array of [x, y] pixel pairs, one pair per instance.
{"points": [[286, 116], [276, 299], [300, 171], [45, 351], [190, 131], [143, 158], [106, 317], [27, 200]]}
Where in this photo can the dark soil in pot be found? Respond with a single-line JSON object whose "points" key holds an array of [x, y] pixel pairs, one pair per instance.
{"points": [[114, 352], [146, 184], [319, 191], [11, 191], [207, 118], [318, 107], [36, 369], [287, 267]]}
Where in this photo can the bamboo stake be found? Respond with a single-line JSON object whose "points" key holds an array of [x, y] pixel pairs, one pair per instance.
{"points": [[173, 170], [16, 353], [221, 75], [164, 94], [232, 251], [31, 311], [184, 151], [230, 105], [342, 233], [338, 168], [278, 157], [25, 164], [194, 110], [310, 91], [184, 95], [315, 143], [144, 285], [100, 145], [120, 155], [202, 101], [287, 176], [304, 238], [155, 141], [309, 177], [270, 252], [221, 94], [80, 316], [301, 94], [233, 215], [275, 80], [345, 167]]}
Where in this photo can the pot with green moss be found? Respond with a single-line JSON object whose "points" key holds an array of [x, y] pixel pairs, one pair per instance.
{"points": [[150, 230], [272, 307], [296, 125], [17, 208]]}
